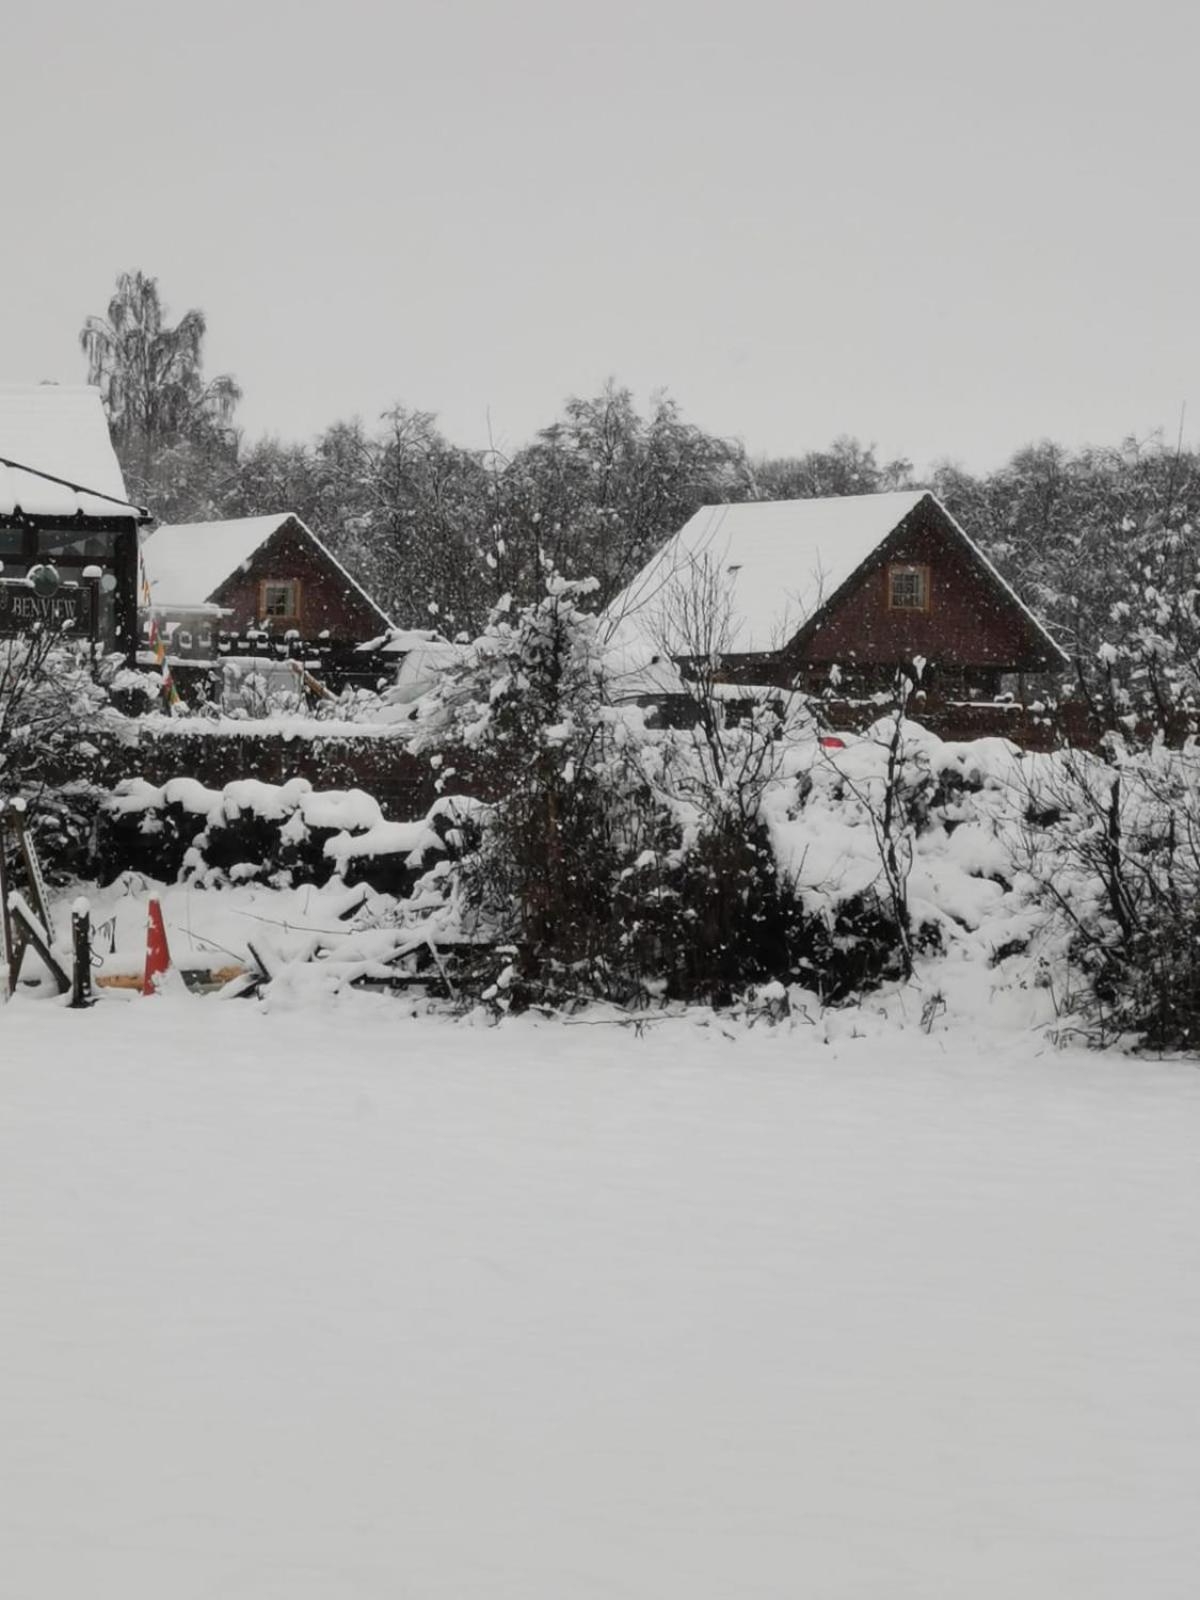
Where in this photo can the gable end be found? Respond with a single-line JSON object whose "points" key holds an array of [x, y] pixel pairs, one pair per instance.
{"points": [[326, 600], [967, 615]]}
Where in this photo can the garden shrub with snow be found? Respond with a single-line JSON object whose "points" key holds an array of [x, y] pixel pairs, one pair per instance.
{"points": [[54, 697], [1112, 848], [620, 860], [274, 833]]}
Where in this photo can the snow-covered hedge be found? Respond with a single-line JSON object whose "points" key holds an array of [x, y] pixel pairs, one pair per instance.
{"points": [[286, 833]]}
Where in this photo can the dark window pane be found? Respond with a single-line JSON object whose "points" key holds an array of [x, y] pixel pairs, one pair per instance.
{"points": [[88, 546]]}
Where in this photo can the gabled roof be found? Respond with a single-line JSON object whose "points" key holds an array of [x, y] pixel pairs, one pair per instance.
{"points": [[187, 562], [56, 456], [780, 562]]}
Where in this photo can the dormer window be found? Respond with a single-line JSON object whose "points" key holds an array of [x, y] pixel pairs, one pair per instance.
{"points": [[279, 600], [908, 587]]}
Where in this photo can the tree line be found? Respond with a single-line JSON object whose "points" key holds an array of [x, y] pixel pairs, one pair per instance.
{"points": [[439, 532]]}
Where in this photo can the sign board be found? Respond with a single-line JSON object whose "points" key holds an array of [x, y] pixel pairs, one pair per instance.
{"points": [[22, 610]]}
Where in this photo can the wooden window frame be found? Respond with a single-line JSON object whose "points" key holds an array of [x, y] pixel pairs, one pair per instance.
{"points": [[922, 569], [293, 586]]}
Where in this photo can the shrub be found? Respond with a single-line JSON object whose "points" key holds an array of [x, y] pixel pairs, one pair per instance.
{"points": [[1113, 846]]}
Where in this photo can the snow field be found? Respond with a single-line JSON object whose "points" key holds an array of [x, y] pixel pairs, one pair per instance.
{"points": [[331, 1301]]}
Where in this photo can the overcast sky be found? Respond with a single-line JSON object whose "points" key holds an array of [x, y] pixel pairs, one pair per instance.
{"points": [[948, 228]]}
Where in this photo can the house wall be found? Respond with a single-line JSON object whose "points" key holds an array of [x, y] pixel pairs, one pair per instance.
{"points": [[329, 602]]}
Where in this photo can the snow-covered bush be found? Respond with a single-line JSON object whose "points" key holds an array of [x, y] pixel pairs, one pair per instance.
{"points": [[1112, 834], [891, 843], [283, 833], [257, 687], [710, 912], [53, 697], [712, 915], [49, 697], [1143, 675], [525, 712], [622, 860], [1112, 844]]}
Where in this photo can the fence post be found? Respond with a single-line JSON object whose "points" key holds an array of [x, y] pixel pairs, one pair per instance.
{"points": [[81, 941]]}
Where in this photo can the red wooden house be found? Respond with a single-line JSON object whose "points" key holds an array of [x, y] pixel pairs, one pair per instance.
{"points": [[802, 592], [256, 583]]}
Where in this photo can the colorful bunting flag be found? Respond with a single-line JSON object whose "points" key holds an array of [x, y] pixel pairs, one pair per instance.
{"points": [[158, 644]]}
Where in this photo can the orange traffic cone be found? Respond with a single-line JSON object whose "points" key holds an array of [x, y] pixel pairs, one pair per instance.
{"points": [[158, 957]]}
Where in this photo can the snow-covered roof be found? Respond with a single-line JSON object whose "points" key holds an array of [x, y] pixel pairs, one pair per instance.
{"points": [[777, 561], [35, 494], [187, 562], [781, 560], [56, 456]]}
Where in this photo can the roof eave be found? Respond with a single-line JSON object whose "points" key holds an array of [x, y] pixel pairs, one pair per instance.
{"points": [[16, 518]]}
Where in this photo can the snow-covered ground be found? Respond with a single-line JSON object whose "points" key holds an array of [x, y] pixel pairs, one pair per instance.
{"points": [[331, 1301]]}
